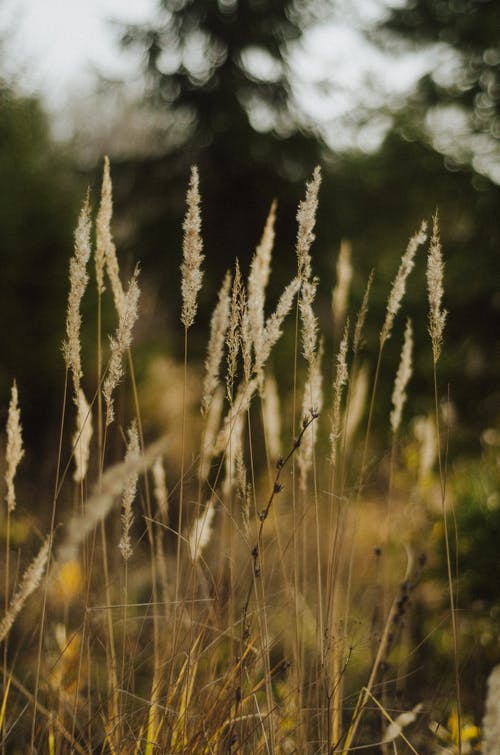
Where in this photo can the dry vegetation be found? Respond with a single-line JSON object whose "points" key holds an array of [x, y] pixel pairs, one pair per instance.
{"points": [[264, 601]]}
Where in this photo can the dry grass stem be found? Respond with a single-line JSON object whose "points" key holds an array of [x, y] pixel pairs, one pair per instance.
{"points": [[399, 284], [192, 252], [120, 344], [78, 280], [82, 437], [435, 272], [215, 351], [129, 492], [30, 581], [340, 294], [14, 451], [402, 377]]}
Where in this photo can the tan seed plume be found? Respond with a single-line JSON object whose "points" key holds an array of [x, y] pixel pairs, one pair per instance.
{"points": [[312, 402], [399, 284], [272, 330], [105, 254], [357, 402], [78, 280], [212, 425], [245, 335], [119, 344], [30, 581], [340, 294], [491, 721], [192, 257], [129, 492], [341, 378], [402, 377], [233, 332], [308, 318], [306, 218], [258, 279], [201, 532], [82, 437], [14, 450], [435, 272], [160, 489], [360, 320], [215, 351], [272, 417], [101, 501]]}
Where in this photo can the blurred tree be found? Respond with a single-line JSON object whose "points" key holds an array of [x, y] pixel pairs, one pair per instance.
{"points": [[218, 69], [38, 208], [467, 78]]}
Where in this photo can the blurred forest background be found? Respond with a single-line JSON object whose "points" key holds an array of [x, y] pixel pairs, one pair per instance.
{"points": [[220, 86]]}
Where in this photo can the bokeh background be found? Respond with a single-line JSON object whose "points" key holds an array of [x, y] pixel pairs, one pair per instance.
{"points": [[399, 102]]}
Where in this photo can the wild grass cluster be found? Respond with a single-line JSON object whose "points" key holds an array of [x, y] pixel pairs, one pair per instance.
{"points": [[249, 580]]}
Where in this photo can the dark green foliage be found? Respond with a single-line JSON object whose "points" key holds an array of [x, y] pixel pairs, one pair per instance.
{"points": [[470, 29], [37, 211]]}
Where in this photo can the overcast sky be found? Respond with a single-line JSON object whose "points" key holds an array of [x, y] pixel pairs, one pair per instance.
{"points": [[55, 47]]}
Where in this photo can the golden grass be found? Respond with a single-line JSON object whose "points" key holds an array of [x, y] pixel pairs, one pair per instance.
{"points": [[250, 612]]}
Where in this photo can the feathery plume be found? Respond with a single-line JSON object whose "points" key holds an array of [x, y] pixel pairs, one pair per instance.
{"points": [[129, 492], [396, 727], [360, 320], [402, 377], [210, 435], [30, 581], [192, 248], [309, 319], [491, 721], [201, 531], [232, 334], [78, 279], [357, 402], [272, 330], [424, 430], [240, 405], [272, 417], [119, 345], [215, 350], [306, 218], [340, 293], [101, 501], [435, 270], [233, 452], [160, 488], [341, 378], [312, 402], [245, 335], [105, 253], [399, 284], [258, 278], [82, 437], [14, 451]]}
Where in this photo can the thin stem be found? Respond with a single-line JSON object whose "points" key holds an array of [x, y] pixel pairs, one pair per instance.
{"points": [[454, 630]]}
